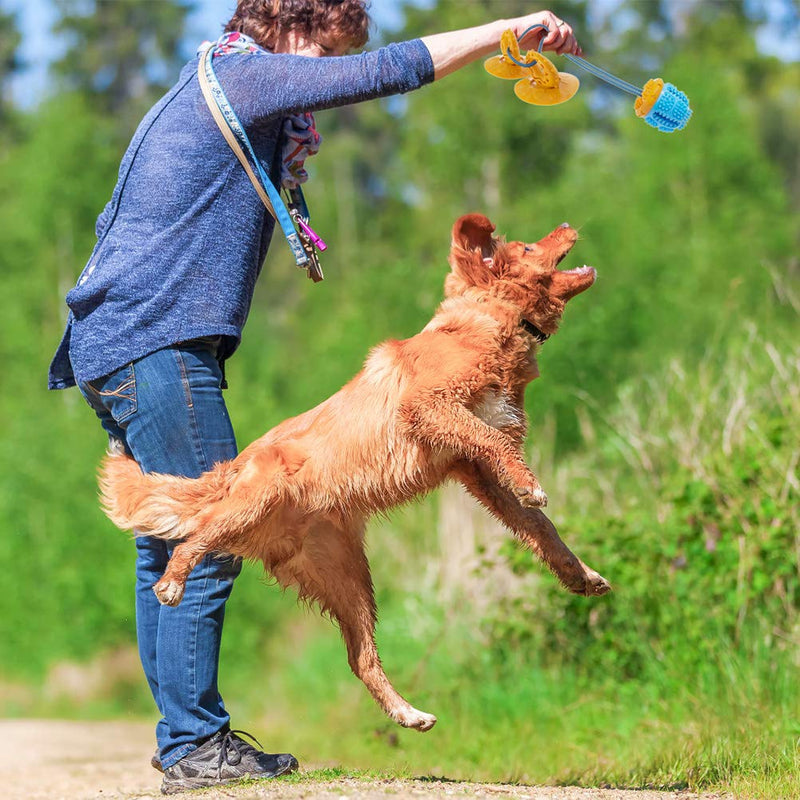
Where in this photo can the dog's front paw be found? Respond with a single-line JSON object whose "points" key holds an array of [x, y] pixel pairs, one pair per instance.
{"points": [[531, 496], [169, 593], [413, 718]]}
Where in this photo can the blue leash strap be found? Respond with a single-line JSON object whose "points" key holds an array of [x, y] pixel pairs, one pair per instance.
{"points": [[613, 80], [278, 209]]}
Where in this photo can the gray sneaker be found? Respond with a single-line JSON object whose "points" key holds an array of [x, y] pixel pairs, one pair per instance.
{"points": [[224, 758]]}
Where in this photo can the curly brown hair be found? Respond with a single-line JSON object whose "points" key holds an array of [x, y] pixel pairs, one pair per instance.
{"points": [[336, 24]]}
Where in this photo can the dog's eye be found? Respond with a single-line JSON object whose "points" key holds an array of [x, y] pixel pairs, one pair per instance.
{"points": [[528, 248]]}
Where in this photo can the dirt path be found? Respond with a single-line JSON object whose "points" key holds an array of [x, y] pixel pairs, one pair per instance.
{"points": [[58, 760]]}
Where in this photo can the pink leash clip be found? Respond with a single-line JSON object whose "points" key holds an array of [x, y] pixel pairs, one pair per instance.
{"points": [[316, 240]]}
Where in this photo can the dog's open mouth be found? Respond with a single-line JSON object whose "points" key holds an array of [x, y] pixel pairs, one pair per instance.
{"points": [[580, 271], [566, 283]]}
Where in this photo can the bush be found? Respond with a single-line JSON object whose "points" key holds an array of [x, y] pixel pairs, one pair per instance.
{"points": [[702, 538]]}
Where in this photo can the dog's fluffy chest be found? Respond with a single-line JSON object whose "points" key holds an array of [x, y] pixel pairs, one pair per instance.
{"points": [[496, 408]]}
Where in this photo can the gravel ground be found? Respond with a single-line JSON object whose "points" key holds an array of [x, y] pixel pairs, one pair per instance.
{"points": [[61, 760]]}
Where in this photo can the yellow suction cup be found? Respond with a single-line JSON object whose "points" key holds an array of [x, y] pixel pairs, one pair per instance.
{"points": [[651, 92], [501, 67], [504, 66], [534, 93], [545, 85]]}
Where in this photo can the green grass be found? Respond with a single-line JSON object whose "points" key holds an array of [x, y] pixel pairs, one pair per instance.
{"points": [[339, 773], [328, 775], [520, 721]]}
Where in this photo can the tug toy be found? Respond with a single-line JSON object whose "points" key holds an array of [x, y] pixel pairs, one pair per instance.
{"points": [[659, 104]]}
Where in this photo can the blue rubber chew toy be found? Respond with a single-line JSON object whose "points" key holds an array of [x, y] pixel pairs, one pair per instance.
{"points": [[670, 112], [659, 104]]}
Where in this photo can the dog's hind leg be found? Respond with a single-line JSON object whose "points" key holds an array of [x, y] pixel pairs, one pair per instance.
{"points": [[222, 526], [185, 557], [210, 513], [332, 569], [533, 529]]}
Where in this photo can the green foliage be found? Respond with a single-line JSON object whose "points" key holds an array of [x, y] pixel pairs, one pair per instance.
{"points": [[46, 225], [702, 542]]}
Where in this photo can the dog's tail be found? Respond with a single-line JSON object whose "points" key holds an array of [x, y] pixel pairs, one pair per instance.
{"points": [[155, 504], [234, 495]]}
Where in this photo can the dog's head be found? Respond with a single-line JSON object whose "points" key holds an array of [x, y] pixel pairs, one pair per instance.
{"points": [[525, 275]]}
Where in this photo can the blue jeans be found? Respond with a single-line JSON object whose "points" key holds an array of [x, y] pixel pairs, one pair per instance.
{"points": [[168, 410]]}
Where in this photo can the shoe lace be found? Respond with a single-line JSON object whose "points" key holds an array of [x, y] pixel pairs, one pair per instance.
{"points": [[232, 743]]}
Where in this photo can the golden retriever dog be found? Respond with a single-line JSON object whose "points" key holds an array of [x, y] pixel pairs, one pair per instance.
{"points": [[444, 404]]}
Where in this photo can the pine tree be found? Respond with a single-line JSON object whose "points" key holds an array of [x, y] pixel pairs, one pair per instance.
{"points": [[9, 63], [122, 53]]}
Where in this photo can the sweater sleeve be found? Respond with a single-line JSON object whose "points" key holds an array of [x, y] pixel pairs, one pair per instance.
{"points": [[261, 87]]}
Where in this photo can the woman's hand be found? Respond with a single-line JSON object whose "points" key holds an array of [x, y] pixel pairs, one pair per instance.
{"points": [[451, 51], [559, 38]]}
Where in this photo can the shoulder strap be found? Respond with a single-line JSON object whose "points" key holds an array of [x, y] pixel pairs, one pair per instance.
{"points": [[229, 135], [213, 99]]}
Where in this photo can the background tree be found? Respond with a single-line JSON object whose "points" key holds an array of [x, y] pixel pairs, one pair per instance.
{"points": [[9, 64], [122, 53]]}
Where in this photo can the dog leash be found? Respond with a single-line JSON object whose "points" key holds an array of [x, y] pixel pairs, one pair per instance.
{"points": [[303, 240]]}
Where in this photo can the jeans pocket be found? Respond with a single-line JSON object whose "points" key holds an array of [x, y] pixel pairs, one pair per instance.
{"points": [[117, 393]]}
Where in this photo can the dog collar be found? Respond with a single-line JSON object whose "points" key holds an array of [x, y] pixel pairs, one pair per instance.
{"points": [[539, 336]]}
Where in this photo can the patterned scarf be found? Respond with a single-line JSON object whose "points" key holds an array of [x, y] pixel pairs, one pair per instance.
{"points": [[300, 137]]}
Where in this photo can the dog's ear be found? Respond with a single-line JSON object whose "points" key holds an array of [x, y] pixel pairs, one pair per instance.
{"points": [[473, 232], [471, 250]]}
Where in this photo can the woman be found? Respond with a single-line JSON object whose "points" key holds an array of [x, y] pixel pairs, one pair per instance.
{"points": [[162, 301]]}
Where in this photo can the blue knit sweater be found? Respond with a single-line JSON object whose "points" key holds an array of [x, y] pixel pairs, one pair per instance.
{"points": [[182, 241]]}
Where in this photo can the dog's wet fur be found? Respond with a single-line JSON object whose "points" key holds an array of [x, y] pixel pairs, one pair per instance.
{"points": [[444, 404]]}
